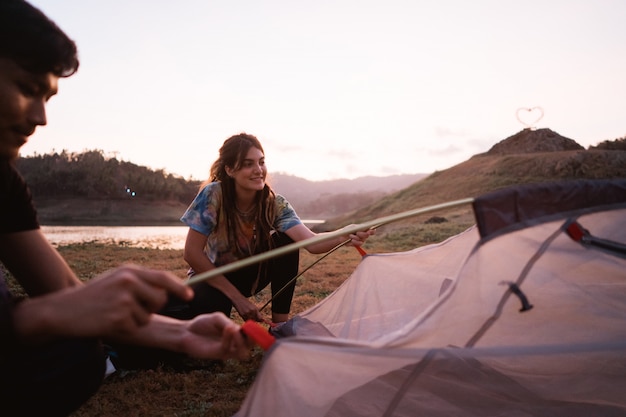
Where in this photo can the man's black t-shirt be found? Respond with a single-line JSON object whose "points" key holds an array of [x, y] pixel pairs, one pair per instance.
{"points": [[17, 212]]}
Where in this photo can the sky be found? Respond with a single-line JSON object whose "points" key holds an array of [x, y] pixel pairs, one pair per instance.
{"points": [[333, 88]]}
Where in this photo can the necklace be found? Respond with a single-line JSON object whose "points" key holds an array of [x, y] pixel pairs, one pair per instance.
{"points": [[249, 217], [248, 233], [245, 213]]}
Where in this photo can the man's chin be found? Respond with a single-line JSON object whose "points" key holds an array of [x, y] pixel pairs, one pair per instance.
{"points": [[9, 153]]}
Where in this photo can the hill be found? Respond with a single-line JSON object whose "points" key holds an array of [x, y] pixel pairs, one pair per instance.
{"points": [[109, 212], [528, 156]]}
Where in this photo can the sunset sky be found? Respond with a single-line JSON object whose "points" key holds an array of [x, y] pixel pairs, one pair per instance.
{"points": [[333, 89]]}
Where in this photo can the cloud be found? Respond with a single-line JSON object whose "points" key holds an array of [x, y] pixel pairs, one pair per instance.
{"points": [[446, 152], [446, 132]]}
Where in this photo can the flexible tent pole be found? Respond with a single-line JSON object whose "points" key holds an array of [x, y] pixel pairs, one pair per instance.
{"points": [[327, 236]]}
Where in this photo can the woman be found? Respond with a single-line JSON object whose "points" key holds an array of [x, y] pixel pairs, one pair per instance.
{"points": [[235, 215]]}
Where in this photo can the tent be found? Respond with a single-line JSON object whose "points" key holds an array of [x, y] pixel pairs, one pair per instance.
{"points": [[523, 314]]}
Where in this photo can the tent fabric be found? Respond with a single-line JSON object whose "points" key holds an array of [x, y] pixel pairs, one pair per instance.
{"points": [[442, 330], [518, 206]]}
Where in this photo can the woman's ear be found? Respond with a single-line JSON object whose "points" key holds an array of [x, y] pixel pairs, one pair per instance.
{"points": [[229, 171]]}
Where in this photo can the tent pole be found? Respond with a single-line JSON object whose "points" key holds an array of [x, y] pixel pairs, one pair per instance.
{"points": [[331, 235]]}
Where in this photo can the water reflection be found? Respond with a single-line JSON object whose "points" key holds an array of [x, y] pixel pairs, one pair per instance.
{"points": [[153, 237]]}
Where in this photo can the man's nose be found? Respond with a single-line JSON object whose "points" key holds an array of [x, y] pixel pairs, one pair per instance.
{"points": [[37, 113]]}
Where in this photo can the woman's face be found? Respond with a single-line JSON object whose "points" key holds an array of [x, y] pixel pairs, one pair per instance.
{"points": [[251, 175]]}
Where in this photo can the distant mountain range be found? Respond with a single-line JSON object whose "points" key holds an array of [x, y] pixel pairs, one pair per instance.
{"points": [[325, 199]]}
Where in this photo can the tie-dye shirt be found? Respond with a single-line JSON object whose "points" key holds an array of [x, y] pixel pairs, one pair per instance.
{"points": [[202, 214]]}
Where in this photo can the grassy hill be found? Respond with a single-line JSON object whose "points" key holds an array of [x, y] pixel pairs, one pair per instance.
{"points": [[109, 212], [529, 156]]}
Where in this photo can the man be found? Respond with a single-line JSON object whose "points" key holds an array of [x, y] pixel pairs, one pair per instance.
{"points": [[51, 357]]}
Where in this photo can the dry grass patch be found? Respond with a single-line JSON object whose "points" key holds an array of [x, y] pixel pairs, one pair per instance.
{"points": [[209, 388]]}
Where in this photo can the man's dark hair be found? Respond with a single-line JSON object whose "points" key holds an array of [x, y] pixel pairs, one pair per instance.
{"points": [[35, 42]]}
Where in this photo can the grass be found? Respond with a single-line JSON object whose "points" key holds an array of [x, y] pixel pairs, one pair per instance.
{"points": [[218, 388]]}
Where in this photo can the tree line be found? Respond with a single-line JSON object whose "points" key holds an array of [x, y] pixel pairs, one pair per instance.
{"points": [[611, 145], [91, 174]]}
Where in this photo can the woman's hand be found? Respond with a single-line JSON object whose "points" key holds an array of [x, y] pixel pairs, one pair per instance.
{"points": [[359, 238], [246, 309]]}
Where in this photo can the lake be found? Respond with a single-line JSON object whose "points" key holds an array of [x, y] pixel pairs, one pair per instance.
{"points": [[153, 237]]}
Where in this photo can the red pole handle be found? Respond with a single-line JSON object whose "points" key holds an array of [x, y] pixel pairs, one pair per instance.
{"points": [[258, 334]]}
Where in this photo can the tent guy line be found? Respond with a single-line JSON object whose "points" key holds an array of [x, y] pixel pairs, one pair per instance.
{"points": [[292, 280], [331, 235]]}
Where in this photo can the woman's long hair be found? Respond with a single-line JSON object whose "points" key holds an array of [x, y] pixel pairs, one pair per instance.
{"points": [[232, 154]]}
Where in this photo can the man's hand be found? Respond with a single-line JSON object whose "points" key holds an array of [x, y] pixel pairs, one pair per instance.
{"points": [[118, 301], [214, 336]]}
